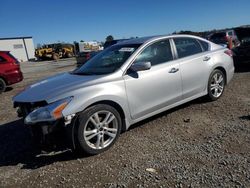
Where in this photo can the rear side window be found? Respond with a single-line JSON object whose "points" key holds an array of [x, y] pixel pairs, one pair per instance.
{"points": [[187, 46], [204, 45], [1, 59], [157, 53]]}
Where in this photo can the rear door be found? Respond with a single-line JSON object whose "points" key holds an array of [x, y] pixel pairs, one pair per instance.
{"points": [[9, 67], [154, 89], [194, 65], [3, 65]]}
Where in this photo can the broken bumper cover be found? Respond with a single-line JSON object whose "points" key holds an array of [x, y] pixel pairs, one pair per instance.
{"points": [[49, 129], [52, 136]]}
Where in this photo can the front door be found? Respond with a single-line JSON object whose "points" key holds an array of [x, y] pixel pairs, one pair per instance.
{"points": [[156, 88]]}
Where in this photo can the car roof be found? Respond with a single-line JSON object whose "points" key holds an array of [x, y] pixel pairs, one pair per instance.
{"points": [[142, 40], [223, 31], [1, 51]]}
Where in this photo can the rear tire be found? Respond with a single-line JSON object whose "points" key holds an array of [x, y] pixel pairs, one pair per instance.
{"points": [[216, 85], [2, 85], [97, 129]]}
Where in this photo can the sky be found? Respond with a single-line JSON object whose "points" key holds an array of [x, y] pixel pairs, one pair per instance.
{"points": [[50, 21]]}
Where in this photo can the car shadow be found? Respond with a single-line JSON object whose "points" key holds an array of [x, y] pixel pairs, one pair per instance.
{"points": [[245, 117], [16, 148], [8, 89], [16, 143], [200, 100]]}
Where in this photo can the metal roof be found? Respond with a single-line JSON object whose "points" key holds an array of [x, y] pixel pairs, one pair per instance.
{"points": [[13, 38]]}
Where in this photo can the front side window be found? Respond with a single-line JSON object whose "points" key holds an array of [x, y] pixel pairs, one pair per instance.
{"points": [[107, 61], [187, 46], [157, 53]]}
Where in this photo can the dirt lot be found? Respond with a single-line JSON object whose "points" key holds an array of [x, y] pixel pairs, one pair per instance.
{"points": [[200, 144]]}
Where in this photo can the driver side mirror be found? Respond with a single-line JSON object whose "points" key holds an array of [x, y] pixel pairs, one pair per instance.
{"points": [[140, 66]]}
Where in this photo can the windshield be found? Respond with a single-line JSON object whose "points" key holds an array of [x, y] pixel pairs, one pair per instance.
{"points": [[108, 61]]}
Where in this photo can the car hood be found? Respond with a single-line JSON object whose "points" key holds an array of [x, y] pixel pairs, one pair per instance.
{"points": [[51, 87]]}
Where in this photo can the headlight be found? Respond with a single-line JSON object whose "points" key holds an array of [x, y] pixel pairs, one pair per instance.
{"points": [[51, 112]]}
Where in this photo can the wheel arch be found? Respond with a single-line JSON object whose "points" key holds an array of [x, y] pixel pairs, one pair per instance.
{"points": [[116, 106], [4, 80], [223, 70], [107, 102]]}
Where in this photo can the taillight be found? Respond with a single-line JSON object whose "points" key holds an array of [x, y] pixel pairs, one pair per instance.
{"points": [[15, 61], [229, 52]]}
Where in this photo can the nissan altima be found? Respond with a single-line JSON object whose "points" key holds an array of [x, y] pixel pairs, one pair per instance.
{"points": [[124, 84]]}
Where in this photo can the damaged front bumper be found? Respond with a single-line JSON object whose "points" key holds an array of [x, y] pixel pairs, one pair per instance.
{"points": [[48, 136]]}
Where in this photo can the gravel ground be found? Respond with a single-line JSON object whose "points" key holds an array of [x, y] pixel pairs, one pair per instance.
{"points": [[199, 144]]}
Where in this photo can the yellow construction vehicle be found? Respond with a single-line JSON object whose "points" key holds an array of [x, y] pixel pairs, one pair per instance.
{"points": [[55, 51]]}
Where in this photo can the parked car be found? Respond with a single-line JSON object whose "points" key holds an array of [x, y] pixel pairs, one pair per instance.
{"points": [[10, 72], [83, 57], [124, 84], [224, 37], [242, 52]]}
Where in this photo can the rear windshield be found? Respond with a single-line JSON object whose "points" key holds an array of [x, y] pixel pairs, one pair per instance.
{"points": [[12, 57]]}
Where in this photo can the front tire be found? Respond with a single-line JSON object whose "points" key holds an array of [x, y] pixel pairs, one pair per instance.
{"points": [[216, 85], [98, 127]]}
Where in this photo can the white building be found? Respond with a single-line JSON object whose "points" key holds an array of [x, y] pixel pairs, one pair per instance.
{"points": [[21, 47]]}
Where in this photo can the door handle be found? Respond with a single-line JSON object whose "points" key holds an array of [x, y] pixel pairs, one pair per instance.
{"points": [[206, 58], [173, 70]]}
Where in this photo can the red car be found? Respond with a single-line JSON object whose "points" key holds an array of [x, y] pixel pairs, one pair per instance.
{"points": [[10, 72]]}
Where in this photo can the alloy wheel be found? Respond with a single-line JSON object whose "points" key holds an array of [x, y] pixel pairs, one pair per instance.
{"points": [[100, 129], [217, 85]]}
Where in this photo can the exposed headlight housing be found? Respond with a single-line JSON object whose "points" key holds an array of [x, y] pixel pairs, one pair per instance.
{"points": [[50, 112]]}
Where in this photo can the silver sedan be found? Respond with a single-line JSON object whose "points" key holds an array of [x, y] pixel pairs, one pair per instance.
{"points": [[126, 83]]}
